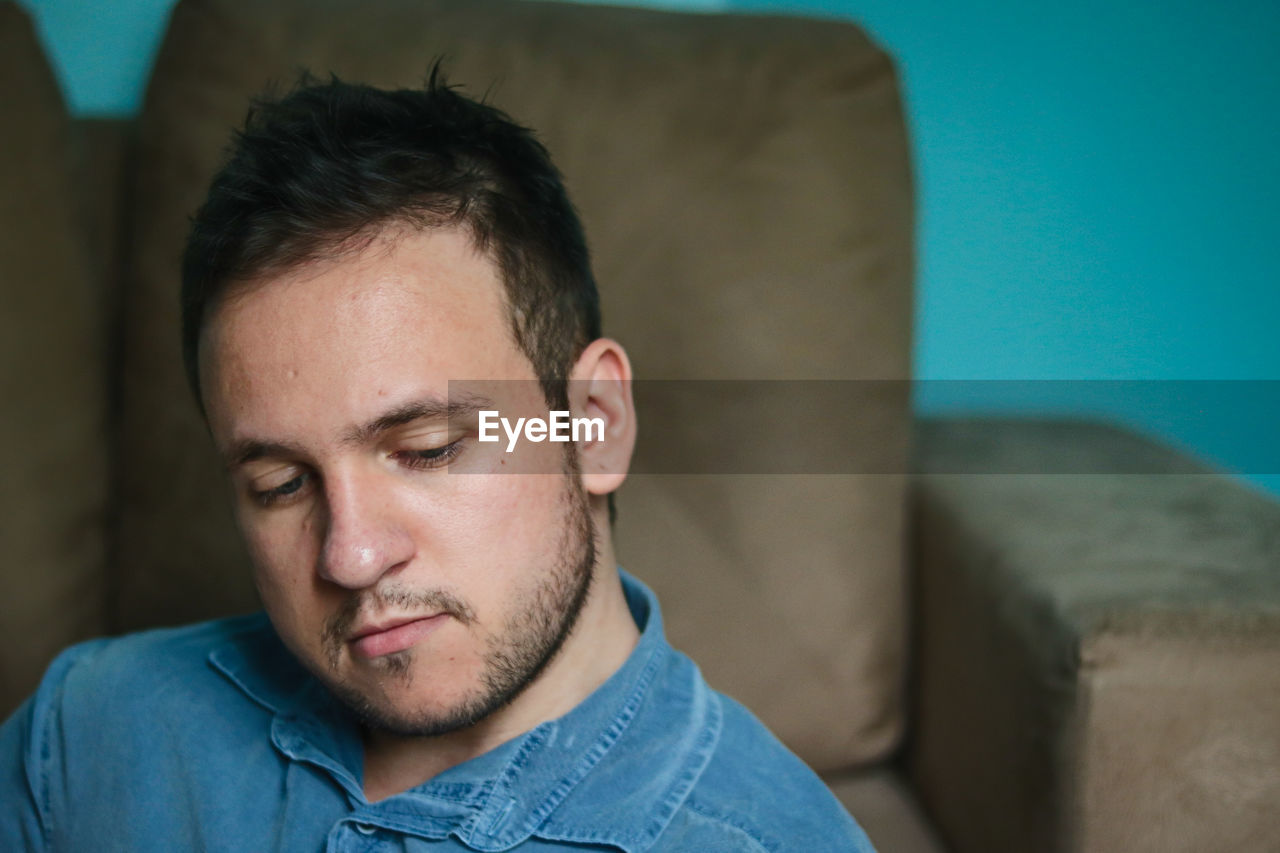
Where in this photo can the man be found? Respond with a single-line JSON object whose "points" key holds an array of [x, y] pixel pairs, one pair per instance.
{"points": [[449, 658]]}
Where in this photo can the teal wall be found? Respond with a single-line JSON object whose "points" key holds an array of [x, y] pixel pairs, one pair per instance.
{"points": [[1097, 187]]}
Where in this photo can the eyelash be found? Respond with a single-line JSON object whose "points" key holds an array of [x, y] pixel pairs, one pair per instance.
{"points": [[282, 492], [418, 460], [426, 460]]}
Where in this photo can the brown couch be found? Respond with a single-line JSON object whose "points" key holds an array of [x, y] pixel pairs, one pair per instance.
{"points": [[985, 653]]}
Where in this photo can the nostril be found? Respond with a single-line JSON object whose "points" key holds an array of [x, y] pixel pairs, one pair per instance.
{"points": [[364, 536], [356, 557], [352, 564]]}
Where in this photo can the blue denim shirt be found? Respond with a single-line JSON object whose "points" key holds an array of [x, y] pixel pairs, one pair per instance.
{"points": [[213, 737]]}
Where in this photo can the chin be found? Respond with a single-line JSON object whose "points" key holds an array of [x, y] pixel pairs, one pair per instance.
{"points": [[407, 716]]}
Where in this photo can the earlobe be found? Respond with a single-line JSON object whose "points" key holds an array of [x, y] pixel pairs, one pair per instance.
{"points": [[600, 388]]}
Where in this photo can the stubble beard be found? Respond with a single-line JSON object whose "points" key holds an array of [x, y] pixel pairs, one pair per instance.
{"points": [[514, 658]]}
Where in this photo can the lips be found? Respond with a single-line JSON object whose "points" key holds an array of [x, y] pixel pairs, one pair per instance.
{"points": [[394, 635]]}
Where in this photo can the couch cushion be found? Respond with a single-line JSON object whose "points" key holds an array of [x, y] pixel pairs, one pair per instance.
{"points": [[887, 809], [745, 188], [53, 421]]}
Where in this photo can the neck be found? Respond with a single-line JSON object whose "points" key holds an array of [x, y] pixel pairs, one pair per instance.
{"points": [[599, 644]]}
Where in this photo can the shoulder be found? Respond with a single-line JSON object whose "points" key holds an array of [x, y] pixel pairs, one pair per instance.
{"points": [[147, 666], [107, 692], [755, 794], [118, 715], [162, 649]]}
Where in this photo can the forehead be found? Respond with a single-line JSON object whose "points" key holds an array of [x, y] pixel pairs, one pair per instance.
{"points": [[396, 318]]}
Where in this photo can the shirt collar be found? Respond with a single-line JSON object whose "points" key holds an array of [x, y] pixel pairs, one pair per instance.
{"points": [[633, 749]]}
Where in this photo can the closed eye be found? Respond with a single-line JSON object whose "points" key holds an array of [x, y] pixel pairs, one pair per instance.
{"points": [[426, 460], [283, 492]]}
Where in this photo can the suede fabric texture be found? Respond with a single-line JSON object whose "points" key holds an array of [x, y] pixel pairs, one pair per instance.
{"points": [[52, 381], [745, 188], [102, 162], [887, 810], [1098, 654]]}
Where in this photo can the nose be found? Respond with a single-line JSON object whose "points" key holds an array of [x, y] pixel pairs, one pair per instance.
{"points": [[364, 539]]}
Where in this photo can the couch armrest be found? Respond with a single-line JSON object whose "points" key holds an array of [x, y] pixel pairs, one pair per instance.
{"points": [[1097, 654]]}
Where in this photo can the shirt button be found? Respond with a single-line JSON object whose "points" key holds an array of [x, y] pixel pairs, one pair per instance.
{"points": [[365, 829]]}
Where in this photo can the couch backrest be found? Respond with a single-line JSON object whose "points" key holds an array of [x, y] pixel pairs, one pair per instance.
{"points": [[745, 188], [53, 448]]}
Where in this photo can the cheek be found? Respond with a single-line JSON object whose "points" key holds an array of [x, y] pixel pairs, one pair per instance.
{"points": [[519, 508], [499, 525], [284, 557]]}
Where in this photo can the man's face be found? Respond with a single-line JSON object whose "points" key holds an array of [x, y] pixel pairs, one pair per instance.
{"points": [[396, 558]]}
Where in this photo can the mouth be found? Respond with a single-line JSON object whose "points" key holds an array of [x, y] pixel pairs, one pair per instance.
{"points": [[395, 635]]}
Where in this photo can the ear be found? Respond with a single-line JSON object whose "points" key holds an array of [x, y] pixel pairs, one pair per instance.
{"points": [[600, 387]]}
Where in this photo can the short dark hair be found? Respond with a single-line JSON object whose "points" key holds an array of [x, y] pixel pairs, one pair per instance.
{"points": [[332, 162]]}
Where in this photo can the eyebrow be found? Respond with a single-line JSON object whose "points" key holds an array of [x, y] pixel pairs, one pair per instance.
{"points": [[430, 408]]}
